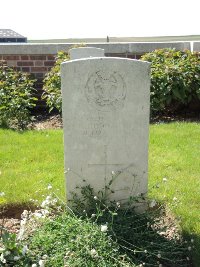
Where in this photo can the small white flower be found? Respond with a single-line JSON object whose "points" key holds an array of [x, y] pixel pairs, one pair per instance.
{"points": [[145, 251], [24, 250], [159, 256], [104, 228], [95, 198], [189, 248], [23, 222], [68, 169], [41, 263], [192, 240], [164, 179], [2, 194], [112, 172], [93, 215], [93, 253], [2, 258], [34, 265], [44, 257], [160, 265], [188, 258], [45, 212], [152, 203], [175, 199], [118, 204], [37, 214], [49, 187], [16, 258], [24, 214]]}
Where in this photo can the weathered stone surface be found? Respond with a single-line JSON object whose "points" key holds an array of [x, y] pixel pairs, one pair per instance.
{"points": [[85, 52], [106, 122], [113, 48]]}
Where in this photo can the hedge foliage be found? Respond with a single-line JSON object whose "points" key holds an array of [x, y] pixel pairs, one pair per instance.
{"points": [[52, 84], [16, 97], [175, 78]]}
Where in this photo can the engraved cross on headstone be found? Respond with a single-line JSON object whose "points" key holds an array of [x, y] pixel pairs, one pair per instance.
{"points": [[105, 164]]}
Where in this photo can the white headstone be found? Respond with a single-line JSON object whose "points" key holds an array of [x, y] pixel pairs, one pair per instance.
{"points": [[85, 52], [106, 125]]}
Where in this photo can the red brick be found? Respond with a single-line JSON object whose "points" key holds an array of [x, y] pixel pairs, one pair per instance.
{"points": [[38, 69], [12, 63], [25, 57], [25, 63], [51, 57], [49, 63], [26, 69], [38, 57], [39, 63], [11, 57]]}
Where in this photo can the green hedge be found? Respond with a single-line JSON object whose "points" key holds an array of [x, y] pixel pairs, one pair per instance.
{"points": [[175, 78], [16, 97], [52, 84]]}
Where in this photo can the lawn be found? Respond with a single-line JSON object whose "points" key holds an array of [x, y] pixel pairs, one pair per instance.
{"points": [[31, 160]]}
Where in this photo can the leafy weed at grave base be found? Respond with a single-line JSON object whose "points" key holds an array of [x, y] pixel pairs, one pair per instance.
{"points": [[102, 235]]}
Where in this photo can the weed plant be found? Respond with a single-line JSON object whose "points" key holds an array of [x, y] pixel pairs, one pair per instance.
{"points": [[101, 235]]}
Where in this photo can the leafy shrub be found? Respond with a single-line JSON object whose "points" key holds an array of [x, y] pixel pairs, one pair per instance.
{"points": [[16, 97], [52, 84], [175, 78]]}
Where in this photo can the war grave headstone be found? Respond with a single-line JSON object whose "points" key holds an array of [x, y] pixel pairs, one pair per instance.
{"points": [[106, 125], [85, 52]]}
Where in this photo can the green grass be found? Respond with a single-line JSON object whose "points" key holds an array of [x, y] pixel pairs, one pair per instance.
{"points": [[31, 160], [175, 155]]}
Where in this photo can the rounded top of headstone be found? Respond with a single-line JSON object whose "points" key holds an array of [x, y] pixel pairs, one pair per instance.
{"points": [[85, 52]]}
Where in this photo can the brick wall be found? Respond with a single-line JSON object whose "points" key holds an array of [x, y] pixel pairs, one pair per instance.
{"points": [[38, 65]]}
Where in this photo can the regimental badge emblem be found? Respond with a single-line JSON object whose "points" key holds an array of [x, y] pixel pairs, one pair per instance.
{"points": [[105, 91]]}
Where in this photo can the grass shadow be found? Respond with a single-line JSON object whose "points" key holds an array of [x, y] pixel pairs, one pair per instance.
{"points": [[147, 239]]}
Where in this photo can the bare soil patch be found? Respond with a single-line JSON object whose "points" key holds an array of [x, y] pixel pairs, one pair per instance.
{"points": [[43, 122]]}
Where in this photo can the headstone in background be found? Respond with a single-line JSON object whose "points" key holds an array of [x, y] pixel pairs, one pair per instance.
{"points": [[106, 124], [85, 52]]}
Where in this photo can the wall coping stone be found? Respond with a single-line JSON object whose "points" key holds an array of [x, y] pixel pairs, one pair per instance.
{"points": [[110, 48]]}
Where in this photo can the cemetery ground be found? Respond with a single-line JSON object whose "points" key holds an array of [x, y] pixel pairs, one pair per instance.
{"points": [[31, 160]]}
